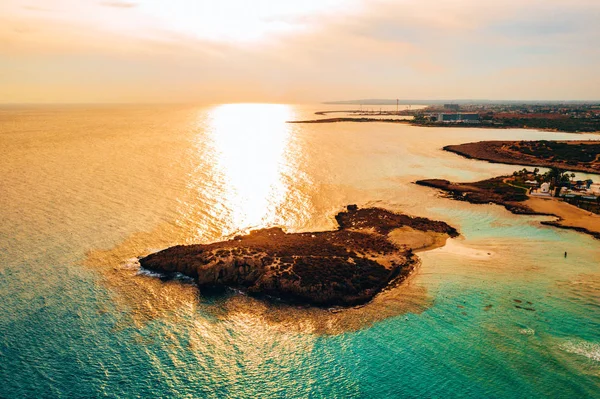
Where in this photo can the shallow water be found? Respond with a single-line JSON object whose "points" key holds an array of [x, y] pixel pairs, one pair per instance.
{"points": [[86, 189]]}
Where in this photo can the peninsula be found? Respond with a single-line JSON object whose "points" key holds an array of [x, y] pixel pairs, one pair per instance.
{"points": [[371, 249], [579, 156], [506, 191]]}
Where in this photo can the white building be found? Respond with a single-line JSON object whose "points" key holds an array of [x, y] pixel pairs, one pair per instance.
{"points": [[545, 188]]}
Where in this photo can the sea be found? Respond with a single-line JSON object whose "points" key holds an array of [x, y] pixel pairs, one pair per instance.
{"points": [[85, 190]]}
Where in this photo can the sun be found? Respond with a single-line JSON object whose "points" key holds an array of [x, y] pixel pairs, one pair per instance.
{"points": [[237, 20]]}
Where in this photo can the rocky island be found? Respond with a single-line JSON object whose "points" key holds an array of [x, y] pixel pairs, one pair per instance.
{"points": [[371, 249]]}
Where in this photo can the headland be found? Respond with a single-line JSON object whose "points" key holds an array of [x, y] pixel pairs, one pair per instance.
{"points": [[503, 191], [579, 156]]}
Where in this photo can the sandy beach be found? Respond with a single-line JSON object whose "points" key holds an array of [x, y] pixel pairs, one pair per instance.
{"points": [[569, 215]]}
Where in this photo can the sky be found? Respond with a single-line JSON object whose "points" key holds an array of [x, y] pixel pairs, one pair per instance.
{"points": [[79, 51]]}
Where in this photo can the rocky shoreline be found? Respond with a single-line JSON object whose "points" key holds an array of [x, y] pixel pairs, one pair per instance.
{"points": [[371, 249], [507, 152], [484, 192]]}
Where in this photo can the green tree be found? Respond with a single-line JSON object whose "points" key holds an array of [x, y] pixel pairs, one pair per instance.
{"points": [[554, 175]]}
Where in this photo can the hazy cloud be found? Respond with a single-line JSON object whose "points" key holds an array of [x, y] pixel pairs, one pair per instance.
{"points": [[37, 8], [427, 48], [119, 4]]}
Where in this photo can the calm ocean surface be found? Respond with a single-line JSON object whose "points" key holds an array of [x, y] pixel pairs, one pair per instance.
{"points": [[84, 190]]}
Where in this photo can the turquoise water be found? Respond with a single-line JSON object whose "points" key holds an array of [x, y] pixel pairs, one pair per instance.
{"points": [[120, 181]]}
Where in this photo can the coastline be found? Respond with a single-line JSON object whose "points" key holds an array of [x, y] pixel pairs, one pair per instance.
{"points": [[568, 216], [497, 152], [412, 122], [350, 119]]}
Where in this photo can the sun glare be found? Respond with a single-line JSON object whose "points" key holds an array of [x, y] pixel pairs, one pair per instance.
{"points": [[249, 142], [237, 20]]}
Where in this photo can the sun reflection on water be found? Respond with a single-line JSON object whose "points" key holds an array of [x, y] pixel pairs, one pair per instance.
{"points": [[245, 147]]}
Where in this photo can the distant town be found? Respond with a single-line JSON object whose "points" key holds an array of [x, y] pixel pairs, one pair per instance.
{"points": [[560, 117], [572, 117]]}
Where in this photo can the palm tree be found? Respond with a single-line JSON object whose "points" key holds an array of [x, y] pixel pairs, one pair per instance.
{"points": [[556, 175]]}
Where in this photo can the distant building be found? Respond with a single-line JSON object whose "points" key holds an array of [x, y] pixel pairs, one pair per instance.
{"points": [[588, 202], [582, 184], [545, 188], [458, 117], [452, 107]]}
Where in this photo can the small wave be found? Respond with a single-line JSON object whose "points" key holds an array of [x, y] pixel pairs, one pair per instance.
{"points": [[132, 263], [527, 331], [183, 278], [149, 273], [237, 291], [590, 350]]}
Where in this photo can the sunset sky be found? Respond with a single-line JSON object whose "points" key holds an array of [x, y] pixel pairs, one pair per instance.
{"points": [[297, 51]]}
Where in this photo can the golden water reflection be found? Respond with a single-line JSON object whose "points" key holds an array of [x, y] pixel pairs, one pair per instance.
{"points": [[244, 146], [247, 168]]}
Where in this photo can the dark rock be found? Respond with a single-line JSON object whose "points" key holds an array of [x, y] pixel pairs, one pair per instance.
{"points": [[493, 190]]}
